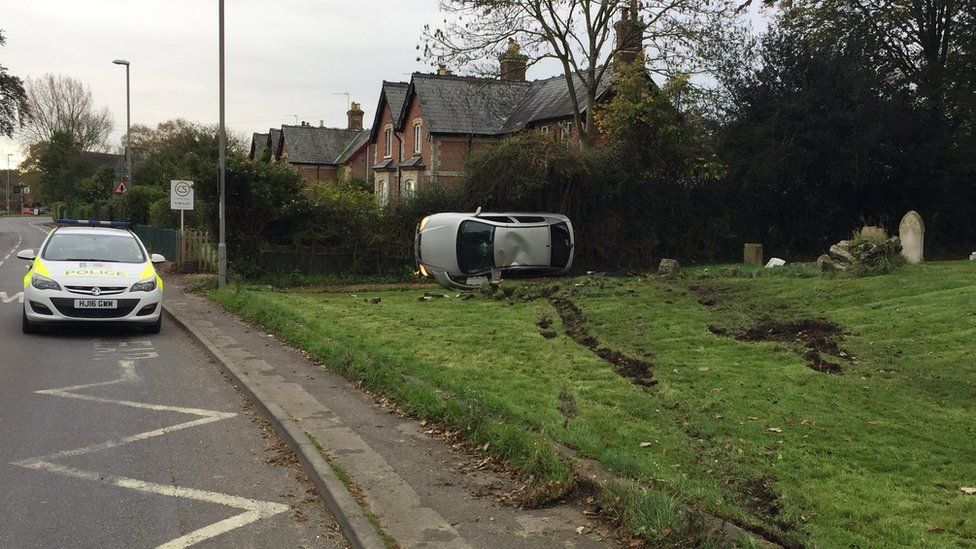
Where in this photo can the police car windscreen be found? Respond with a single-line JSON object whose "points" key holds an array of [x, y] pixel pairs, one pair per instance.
{"points": [[92, 247]]}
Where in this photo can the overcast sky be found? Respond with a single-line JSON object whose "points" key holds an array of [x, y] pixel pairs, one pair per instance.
{"points": [[284, 57]]}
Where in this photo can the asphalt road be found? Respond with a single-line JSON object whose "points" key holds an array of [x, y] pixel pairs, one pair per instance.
{"points": [[112, 438]]}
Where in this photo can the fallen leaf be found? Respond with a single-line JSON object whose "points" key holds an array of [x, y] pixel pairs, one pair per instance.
{"points": [[752, 418], [580, 530], [718, 416], [806, 422], [968, 490], [774, 430], [645, 444], [703, 369]]}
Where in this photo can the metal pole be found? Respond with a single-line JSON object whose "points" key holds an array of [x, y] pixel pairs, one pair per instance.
{"points": [[8, 182], [222, 137], [128, 125]]}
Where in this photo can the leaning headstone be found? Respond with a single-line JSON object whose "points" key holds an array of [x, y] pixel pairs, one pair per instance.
{"points": [[972, 256], [874, 233], [752, 254], [669, 267], [912, 233], [775, 262]]}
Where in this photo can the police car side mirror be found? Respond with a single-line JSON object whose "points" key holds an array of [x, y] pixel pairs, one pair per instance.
{"points": [[26, 255], [156, 258]]}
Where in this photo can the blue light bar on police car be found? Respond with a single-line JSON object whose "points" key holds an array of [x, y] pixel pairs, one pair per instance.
{"points": [[94, 223]]}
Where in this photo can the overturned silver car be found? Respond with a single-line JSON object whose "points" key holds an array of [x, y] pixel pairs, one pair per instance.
{"points": [[464, 250]]}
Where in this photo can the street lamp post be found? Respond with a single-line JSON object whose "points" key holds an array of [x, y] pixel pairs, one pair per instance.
{"points": [[222, 138], [128, 121], [7, 194]]}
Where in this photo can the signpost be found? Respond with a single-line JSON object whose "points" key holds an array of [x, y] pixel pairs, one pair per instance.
{"points": [[181, 197], [120, 187]]}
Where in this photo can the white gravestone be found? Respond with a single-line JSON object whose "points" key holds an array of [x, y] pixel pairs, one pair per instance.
{"points": [[912, 233]]}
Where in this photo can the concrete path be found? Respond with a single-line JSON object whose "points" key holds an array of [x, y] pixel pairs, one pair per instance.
{"points": [[423, 492]]}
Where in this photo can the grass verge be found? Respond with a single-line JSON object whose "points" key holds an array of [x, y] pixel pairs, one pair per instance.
{"points": [[736, 424]]}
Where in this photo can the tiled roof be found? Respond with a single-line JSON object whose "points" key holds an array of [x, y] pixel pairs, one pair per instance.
{"points": [[259, 142], [550, 99], [354, 146], [465, 105], [315, 145], [274, 138], [394, 94], [480, 106]]}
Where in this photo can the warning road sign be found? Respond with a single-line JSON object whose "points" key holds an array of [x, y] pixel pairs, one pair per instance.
{"points": [[120, 187]]}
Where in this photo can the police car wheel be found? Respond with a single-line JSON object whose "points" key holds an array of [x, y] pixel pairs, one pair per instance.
{"points": [[154, 328], [27, 326]]}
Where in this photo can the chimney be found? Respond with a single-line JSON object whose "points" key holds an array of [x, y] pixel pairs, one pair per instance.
{"points": [[442, 70], [630, 34], [355, 115], [321, 123], [513, 63]]}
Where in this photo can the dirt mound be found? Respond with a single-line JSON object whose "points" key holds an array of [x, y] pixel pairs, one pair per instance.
{"points": [[817, 337]]}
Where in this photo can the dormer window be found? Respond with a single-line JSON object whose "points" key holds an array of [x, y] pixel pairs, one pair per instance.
{"points": [[388, 136], [417, 133]]}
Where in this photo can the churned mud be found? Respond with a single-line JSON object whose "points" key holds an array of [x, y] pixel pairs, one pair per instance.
{"points": [[638, 371], [816, 338]]}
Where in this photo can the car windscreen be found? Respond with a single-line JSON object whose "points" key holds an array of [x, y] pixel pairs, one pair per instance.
{"points": [[475, 247], [93, 247]]}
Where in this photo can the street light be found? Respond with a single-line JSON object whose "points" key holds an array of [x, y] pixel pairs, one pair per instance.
{"points": [[222, 138], [128, 159], [7, 194]]}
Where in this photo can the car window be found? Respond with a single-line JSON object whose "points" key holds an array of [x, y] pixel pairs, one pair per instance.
{"points": [[475, 247], [497, 218], [529, 219], [93, 247], [561, 245]]}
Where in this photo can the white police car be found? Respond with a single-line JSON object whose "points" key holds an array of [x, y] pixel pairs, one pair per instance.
{"points": [[92, 271]]}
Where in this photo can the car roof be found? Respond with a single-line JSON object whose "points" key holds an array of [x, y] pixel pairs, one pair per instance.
{"points": [[106, 231]]}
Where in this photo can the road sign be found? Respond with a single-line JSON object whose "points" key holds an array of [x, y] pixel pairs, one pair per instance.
{"points": [[120, 187], [180, 195]]}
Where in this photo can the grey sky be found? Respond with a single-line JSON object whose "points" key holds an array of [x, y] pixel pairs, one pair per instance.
{"points": [[284, 57]]}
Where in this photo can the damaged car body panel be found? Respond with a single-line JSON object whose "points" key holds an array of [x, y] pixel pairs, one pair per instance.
{"points": [[461, 250]]}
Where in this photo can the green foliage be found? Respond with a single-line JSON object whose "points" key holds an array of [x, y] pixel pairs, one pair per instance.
{"points": [[161, 216], [97, 186], [13, 100], [137, 200]]}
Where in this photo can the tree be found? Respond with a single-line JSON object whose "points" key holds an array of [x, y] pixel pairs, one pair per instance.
{"points": [[13, 99], [925, 43], [578, 34], [63, 104]]}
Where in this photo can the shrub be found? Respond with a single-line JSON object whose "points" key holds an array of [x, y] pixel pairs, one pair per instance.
{"points": [[161, 216], [137, 200]]}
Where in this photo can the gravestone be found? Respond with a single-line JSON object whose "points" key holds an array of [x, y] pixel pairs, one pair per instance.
{"points": [[669, 267], [912, 233], [752, 254]]}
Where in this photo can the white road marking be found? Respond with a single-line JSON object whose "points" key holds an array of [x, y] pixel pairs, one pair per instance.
{"points": [[253, 509], [20, 239], [44, 230], [4, 298]]}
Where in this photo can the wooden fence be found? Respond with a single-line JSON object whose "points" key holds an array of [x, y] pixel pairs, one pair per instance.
{"points": [[196, 247]]}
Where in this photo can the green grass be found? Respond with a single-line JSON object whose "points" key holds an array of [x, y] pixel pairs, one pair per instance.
{"points": [[875, 456]]}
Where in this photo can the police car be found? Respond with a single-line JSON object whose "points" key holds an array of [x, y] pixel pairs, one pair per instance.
{"points": [[92, 271]]}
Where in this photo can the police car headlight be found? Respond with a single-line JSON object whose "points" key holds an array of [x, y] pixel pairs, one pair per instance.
{"points": [[44, 283], [146, 285]]}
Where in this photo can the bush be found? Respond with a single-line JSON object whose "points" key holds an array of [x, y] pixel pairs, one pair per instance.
{"points": [[137, 200], [161, 216]]}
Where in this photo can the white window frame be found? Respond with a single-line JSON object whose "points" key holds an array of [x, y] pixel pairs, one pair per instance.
{"points": [[388, 137], [545, 129], [409, 187], [417, 136]]}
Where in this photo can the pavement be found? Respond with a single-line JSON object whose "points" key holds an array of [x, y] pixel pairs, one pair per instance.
{"points": [[424, 491], [112, 438]]}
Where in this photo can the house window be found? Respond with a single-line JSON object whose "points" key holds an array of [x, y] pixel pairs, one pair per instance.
{"points": [[388, 134], [567, 129], [416, 138], [545, 129], [409, 187], [382, 189]]}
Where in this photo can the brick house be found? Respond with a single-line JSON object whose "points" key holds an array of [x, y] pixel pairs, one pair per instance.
{"points": [[424, 131], [259, 144], [317, 153]]}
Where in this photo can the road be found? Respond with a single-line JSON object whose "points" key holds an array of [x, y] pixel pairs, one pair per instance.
{"points": [[112, 438]]}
